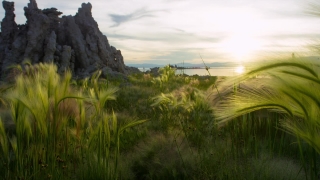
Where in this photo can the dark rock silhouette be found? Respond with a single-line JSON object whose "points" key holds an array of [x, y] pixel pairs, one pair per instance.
{"points": [[70, 42]]}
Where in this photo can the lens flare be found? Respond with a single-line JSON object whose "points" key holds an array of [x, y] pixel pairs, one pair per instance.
{"points": [[239, 70]]}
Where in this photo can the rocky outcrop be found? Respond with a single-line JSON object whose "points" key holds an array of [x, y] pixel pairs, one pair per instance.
{"points": [[8, 30], [65, 58], [71, 42], [154, 71], [50, 48], [132, 70]]}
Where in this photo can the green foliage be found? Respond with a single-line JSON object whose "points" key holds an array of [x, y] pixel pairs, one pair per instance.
{"points": [[290, 88], [166, 74], [60, 130], [181, 112], [87, 129], [188, 109]]}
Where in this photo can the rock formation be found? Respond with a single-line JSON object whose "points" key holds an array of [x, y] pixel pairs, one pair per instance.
{"points": [[70, 42]]}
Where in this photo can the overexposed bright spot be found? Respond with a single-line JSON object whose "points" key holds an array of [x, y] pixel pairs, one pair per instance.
{"points": [[239, 70], [244, 35], [240, 47]]}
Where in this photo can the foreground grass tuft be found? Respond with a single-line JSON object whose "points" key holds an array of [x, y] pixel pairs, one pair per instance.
{"points": [[289, 88]]}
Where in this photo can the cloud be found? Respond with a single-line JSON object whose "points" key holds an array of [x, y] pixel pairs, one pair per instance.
{"points": [[285, 9], [176, 36], [179, 30], [304, 36], [166, 45], [141, 13], [187, 55], [176, 56]]}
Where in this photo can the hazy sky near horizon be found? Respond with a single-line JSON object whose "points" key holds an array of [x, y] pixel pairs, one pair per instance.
{"points": [[173, 31]]}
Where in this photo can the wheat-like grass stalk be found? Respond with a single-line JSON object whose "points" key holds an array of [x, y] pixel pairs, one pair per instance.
{"points": [[291, 88]]}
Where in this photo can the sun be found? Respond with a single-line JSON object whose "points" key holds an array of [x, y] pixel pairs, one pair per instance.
{"points": [[239, 70], [240, 47], [243, 35]]}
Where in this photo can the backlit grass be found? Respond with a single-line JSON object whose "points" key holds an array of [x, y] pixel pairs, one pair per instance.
{"points": [[54, 127]]}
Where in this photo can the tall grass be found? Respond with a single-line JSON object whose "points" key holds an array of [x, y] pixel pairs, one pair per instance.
{"points": [[220, 152], [166, 73], [289, 88], [89, 131], [61, 131]]}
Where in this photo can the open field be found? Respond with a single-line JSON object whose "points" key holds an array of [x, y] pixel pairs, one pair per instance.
{"points": [[164, 127]]}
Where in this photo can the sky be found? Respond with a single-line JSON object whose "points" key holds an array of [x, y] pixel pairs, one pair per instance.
{"points": [[176, 31]]}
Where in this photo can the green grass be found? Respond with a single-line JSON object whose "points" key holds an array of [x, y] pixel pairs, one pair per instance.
{"points": [[54, 127], [291, 90], [61, 131]]}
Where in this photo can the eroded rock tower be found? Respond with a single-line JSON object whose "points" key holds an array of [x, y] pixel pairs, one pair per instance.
{"points": [[71, 42]]}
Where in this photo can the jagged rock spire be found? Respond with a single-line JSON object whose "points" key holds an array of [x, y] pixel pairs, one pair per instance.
{"points": [[9, 30], [33, 4], [8, 24], [71, 42]]}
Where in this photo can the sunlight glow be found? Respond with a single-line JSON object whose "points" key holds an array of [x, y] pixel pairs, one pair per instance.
{"points": [[239, 70], [244, 33], [240, 47]]}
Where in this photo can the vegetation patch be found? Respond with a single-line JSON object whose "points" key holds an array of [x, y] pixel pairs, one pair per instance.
{"points": [[54, 127]]}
